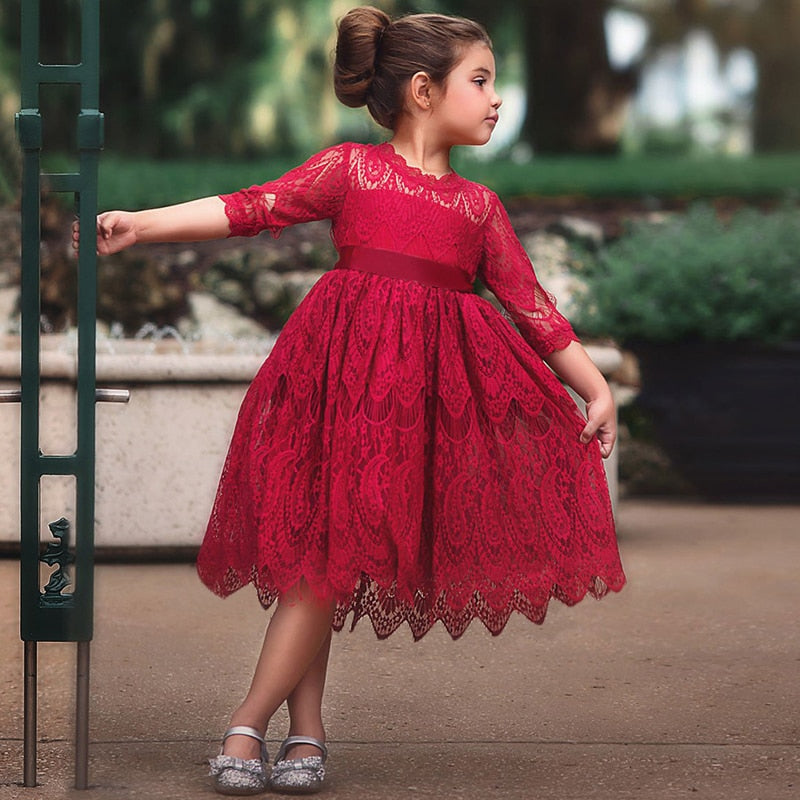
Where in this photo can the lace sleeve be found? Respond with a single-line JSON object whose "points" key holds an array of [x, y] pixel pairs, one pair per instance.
{"points": [[314, 190], [507, 271]]}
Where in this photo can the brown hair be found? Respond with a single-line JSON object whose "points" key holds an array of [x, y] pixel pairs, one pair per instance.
{"points": [[376, 56]]}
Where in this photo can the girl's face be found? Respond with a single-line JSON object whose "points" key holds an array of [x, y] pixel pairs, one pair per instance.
{"points": [[465, 108]]}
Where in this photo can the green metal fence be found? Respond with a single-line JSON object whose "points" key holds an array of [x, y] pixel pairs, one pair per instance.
{"points": [[51, 613]]}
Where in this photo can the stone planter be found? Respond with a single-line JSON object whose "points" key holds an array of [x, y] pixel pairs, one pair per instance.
{"points": [[158, 457], [727, 416]]}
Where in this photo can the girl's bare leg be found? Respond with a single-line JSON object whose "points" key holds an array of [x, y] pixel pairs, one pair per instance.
{"points": [[298, 629], [305, 704]]}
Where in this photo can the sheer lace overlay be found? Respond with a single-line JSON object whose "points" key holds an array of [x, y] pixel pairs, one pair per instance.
{"points": [[403, 449]]}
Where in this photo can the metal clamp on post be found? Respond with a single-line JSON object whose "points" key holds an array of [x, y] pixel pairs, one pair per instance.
{"points": [[100, 395], [112, 395]]}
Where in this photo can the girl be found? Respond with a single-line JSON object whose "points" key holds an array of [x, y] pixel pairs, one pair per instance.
{"points": [[403, 453]]}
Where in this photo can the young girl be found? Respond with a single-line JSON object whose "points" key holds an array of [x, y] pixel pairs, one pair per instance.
{"points": [[404, 453]]}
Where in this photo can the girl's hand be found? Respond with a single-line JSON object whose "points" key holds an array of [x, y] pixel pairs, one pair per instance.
{"points": [[576, 368], [602, 424], [115, 231]]}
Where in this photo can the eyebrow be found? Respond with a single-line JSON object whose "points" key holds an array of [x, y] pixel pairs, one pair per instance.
{"points": [[482, 69]]}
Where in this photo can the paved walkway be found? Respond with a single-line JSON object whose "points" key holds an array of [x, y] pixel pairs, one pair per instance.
{"points": [[686, 685]]}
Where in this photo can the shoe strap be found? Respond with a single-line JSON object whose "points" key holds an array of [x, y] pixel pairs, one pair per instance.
{"points": [[293, 740], [246, 730], [243, 730]]}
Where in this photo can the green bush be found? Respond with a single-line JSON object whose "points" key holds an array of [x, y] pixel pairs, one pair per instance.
{"points": [[693, 277], [128, 182], [638, 176]]}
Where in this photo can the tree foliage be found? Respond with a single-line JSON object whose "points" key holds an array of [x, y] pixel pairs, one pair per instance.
{"points": [[246, 76], [770, 29]]}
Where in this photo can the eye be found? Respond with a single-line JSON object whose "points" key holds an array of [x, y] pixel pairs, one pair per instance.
{"points": [[480, 81]]}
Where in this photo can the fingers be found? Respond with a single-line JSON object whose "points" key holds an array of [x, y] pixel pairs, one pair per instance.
{"points": [[587, 434], [604, 434], [76, 233], [606, 449], [106, 227], [106, 223]]}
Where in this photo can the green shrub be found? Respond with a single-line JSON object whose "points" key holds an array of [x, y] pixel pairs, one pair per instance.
{"points": [[640, 176], [128, 182], [693, 277]]}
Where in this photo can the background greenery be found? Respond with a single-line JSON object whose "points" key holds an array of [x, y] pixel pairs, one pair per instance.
{"points": [[206, 96], [694, 277], [131, 182], [244, 77]]}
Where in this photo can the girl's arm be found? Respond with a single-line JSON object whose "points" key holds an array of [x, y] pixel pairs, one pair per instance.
{"points": [[194, 221], [574, 366], [314, 190], [508, 272]]}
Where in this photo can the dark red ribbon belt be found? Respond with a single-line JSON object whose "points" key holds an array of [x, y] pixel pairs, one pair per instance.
{"points": [[391, 264]]}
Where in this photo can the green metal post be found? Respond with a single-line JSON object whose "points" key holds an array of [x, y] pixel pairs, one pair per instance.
{"points": [[48, 618], [49, 614]]}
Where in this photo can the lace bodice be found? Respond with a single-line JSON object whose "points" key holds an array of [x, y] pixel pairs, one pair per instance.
{"points": [[375, 199]]}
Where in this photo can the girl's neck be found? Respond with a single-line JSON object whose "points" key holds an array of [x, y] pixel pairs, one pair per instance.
{"points": [[418, 151]]}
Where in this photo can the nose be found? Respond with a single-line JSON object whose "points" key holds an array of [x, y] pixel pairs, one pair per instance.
{"points": [[497, 101]]}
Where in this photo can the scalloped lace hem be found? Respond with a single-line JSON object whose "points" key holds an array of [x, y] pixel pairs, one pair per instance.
{"points": [[387, 610]]}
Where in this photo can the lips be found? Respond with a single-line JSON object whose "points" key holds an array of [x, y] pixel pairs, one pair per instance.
{"points": [[495, 118]]}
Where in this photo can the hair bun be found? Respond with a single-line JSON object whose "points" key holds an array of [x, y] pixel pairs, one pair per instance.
{"points": [[359, 35]]}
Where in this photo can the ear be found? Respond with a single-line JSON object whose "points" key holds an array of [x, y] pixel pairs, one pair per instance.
{"points": [[420, 90]]}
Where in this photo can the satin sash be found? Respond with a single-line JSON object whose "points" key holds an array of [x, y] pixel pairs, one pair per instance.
{"points": [[391, 264]]}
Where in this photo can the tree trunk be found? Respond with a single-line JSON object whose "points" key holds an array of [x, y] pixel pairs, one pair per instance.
{"points": [[576, 101], [776, 47]]}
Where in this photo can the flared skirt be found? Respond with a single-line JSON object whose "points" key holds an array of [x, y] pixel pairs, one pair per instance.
{"points": [[406, 453]]}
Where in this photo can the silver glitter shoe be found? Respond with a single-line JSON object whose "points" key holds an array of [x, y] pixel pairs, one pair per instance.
{"points": [[240, 776], [300, 775]]}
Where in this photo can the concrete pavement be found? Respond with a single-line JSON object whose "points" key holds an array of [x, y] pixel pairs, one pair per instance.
{"points": [[685, 685]]}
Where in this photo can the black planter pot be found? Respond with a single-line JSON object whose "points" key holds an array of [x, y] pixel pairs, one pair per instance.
{"points": [[727, 415]]}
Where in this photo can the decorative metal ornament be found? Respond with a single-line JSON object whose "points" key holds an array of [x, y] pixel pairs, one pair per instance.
{"points": [[58, 555]]}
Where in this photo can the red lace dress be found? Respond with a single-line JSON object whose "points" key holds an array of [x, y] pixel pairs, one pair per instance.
{"points": [[403, 448]]}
